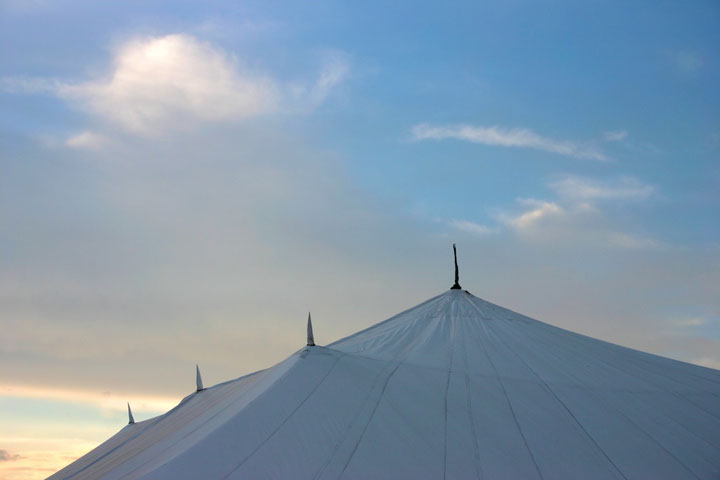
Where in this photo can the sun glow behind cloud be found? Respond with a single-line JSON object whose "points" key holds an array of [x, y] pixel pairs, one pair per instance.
{"points": [[159, 82]]}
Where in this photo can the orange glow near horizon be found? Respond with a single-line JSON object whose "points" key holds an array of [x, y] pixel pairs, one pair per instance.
{"points": [[77, 421]]}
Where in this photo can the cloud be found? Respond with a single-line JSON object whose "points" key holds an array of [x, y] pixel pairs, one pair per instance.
{"points": [[158, 82], [471, 227], [164, 83], [573, 217], [574, 223], [615, 136], [507, 137], [86, 140], [583, 188], [539, 210], [334, 72], [6, 456]]}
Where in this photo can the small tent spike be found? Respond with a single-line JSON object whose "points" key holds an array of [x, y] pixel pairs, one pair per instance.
{"points": [[131, 420], [456, 286], [198, 379], [310, 337]]}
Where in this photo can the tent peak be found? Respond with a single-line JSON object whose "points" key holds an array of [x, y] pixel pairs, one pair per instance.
{"points": [[198, 379], [310, 337], [456, 285], [131, 420]]}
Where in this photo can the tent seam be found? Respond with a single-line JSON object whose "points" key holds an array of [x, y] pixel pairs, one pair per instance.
{"points": [[507, 398], [267, 439], [653, 439], [547, 387]]}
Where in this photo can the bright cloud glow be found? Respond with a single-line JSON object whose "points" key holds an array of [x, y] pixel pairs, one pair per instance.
{"points": [[158, 82], [539, 210], [583, 188], [507, 137]]}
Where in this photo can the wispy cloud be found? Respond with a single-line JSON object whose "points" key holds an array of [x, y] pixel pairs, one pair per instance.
{"points": [[86, 140], [569, 222], [615, 136], [6, 456], [573, 217], [471, 227], [583, 188], [508, 137], [334, 72], [538, 210]]}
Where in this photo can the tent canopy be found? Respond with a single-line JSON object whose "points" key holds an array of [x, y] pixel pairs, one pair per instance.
{"points": [[455, 387]]}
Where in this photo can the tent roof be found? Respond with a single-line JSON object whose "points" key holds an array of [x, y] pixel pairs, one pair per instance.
{"points": [[455, 387]]}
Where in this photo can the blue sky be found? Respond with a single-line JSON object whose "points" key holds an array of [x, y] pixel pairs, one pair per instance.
{"points": [[180, 182]]}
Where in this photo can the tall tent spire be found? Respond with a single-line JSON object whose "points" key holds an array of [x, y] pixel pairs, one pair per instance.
{"points": [[198, 379], [131, 420], [456, 286], [310, 338]]}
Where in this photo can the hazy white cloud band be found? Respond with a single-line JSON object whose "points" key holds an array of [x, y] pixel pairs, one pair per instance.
{"points": [[584, 188], [507, 137]]}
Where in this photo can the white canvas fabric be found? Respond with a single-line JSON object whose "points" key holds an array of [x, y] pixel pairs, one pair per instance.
{"points": [[455, 388]]}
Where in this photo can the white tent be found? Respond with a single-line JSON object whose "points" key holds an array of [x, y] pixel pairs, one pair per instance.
{"points": [[455, 387]]}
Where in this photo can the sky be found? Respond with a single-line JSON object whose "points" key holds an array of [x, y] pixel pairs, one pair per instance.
{"points": [[181, 182]]}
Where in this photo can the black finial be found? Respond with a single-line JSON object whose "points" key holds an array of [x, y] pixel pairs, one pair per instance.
{"points": [[456, 286]]}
